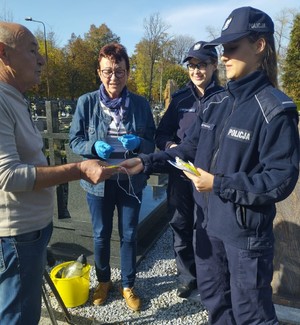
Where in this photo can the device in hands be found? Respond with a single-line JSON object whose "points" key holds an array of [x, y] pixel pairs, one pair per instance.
{"points": [[185, 166]]}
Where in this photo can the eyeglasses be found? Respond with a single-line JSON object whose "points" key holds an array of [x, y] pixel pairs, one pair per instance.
{"points": [[199, 66], [107, 73]]}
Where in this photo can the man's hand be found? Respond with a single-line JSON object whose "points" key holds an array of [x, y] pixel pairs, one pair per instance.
{"points": [[96, 171], [203, 183], [132, 166]]}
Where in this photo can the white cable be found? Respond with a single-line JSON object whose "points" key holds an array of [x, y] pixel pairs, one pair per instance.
{"points": [[130, 187]]}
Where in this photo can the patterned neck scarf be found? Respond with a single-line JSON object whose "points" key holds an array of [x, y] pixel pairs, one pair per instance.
{"points": [[117, 106], [114, 103]]}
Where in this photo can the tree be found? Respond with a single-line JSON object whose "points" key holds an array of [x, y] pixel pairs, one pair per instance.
{"points": [[131, 84], [96, 38], [168, 71], [180, 46], [81, 57], [158, 58], [214, 33], [142, 68], [153, 43], [291, 68], [56, 66], [283, 24], [80, 61], [72, 69], [52, 74], [6, 15], [176, 73]]}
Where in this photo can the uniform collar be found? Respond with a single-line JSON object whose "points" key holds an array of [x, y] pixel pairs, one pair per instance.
{"points": [[245, 87]]}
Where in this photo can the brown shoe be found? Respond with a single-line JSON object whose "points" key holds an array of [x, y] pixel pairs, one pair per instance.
{"points": [[101, 293], [133, 302]]}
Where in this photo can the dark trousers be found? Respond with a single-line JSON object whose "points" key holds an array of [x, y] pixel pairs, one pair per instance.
{"points": [[181, 207], [234, 284]]}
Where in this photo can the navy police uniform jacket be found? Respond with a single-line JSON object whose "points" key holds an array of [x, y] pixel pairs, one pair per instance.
{"points": [[247, 136], [181, 114]]}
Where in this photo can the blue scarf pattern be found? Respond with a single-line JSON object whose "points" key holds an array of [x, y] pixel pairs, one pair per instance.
{"points": [[116, 105]]}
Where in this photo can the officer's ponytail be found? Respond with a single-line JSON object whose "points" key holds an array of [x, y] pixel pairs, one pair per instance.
{"points": [[269, 58]]}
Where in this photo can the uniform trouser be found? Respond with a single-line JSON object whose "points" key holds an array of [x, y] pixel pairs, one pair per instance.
{"points": [[181, 206], [234, 284]]}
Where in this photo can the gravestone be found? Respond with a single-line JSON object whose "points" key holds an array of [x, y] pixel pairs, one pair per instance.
{"points": [[171, 87], [286, 279]]}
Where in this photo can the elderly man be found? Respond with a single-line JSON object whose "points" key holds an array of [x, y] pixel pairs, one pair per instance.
{"points": [[26, 181]]}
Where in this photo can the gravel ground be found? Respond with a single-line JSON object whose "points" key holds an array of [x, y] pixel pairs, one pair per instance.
{"points": [[155, 284]]}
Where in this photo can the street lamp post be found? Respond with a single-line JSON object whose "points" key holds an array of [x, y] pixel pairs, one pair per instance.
{"points": [[46, 52]]}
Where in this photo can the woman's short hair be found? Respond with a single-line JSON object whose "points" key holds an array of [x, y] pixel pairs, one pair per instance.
{"points": [[114, 52]]}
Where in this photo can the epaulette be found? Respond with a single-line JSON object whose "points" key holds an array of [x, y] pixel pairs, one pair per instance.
{"points": [[272, 101]]}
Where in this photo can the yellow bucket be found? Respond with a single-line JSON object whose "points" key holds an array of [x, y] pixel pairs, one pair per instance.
{"points": [[73, 291]]}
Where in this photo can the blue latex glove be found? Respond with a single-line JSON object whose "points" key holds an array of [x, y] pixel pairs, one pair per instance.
{"points": [[130, 141], [103, 149]]}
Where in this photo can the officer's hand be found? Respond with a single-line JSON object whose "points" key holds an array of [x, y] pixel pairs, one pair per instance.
{"points": [[131, 166], [203, 183]]}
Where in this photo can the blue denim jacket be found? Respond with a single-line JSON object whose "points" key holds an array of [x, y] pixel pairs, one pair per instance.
{"points": [[90, 124]]}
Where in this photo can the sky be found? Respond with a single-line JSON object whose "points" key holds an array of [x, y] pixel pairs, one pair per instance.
{"points": [[125, 18]]}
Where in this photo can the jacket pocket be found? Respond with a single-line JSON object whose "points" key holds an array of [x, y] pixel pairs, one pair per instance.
{"points": [[92, 133], [241, 216], [254, 217]]}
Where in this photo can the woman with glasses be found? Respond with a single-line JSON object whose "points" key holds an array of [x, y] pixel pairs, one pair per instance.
{"points": [[245, 144], [113, 124], [202, 68]]}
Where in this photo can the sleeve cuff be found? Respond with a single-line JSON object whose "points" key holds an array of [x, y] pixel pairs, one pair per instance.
{"points": [[218, 183]]}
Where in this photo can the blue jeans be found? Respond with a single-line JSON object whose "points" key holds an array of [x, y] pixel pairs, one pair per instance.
{"points": [[102, 211], [22, 264]]}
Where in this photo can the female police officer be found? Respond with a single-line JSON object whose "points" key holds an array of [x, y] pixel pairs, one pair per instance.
{"points": [[246, 142], [202, 68]]}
